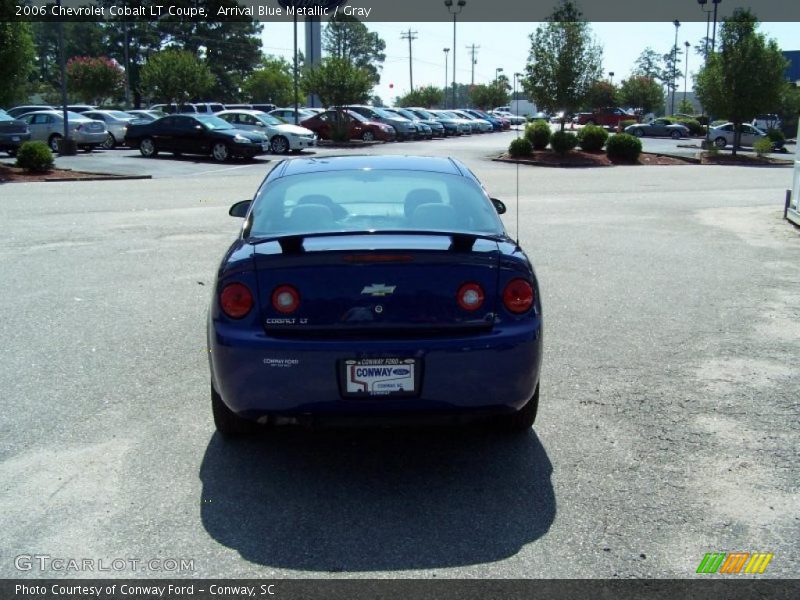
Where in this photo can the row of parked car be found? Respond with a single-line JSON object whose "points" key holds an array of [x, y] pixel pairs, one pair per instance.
{"points": [[233, 131]]}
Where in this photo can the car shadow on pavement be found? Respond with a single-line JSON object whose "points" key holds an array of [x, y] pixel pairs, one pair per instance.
{"points": [[353, 500]]}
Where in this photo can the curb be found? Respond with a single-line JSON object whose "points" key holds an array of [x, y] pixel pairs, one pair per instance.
{"points": [[97, 177]]}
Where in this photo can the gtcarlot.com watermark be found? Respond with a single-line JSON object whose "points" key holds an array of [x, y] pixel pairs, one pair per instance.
{"points": [[46, 563]]}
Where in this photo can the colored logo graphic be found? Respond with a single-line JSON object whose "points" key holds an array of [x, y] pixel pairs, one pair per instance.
{"points": [[731, 563]]}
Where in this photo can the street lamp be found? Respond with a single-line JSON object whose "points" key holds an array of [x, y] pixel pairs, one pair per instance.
{"points": [[703, 4], [446, 50], [611, 77], [514, 99], [686, 72], [454, 8], [674, 66]]}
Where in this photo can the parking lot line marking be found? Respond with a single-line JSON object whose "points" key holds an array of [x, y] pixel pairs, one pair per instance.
{"points": [[219, 170]]}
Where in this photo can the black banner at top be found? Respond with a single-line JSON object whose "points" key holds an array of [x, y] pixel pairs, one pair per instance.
{"points": [[405, 11]]}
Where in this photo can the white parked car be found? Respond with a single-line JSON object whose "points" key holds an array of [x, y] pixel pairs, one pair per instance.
{"points": [[283, 137], [48, 126], [512, 118], [116, 122], [479, 125], [724, 134]]}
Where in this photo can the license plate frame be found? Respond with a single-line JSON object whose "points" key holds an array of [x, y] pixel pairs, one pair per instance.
{"points": [[383, 377]]}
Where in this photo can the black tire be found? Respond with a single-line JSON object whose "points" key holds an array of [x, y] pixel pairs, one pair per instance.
{"points": [[109, 143], [522, 420], [220, 152], [720, 142], [227, 422], [279, 145], [53, 142], [638, 132], [368, 136], [675, 135], [147, 148]]}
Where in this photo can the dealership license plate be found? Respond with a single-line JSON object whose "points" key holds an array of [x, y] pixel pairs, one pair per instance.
{"points": [[265, 146], [381, 377]]}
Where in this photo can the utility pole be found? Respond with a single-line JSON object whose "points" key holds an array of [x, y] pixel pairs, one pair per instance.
{"points": [[473, 50], [410, 36]]}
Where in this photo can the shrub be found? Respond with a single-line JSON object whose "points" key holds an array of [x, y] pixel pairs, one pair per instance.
{"points": [[695, 128], [776, 136], [763, 146], [624, 123], [538, 134], [35, 157], [563, 141], [520, 147], [623, 146], [592, 138]]}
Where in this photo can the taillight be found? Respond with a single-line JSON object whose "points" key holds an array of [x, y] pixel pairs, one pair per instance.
{"points": [[285, 299], [518, 296], [236, 300], [470, 296]]}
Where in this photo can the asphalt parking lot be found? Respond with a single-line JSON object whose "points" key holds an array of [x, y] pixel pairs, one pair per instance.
{"points": [[668, 422]]}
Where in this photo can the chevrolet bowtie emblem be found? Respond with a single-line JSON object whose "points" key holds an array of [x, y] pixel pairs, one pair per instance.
{"points": [[378, 289]]}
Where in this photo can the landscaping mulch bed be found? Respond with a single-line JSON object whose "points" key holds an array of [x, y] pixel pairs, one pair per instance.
{"points": [[10, 174], [579, 158], [744, 160]]}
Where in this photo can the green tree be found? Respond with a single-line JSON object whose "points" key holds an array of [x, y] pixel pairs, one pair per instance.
{"points": [[175, 76], [745, 77], [563, 62], [80, 39], [376, 101], [337, 81], [16, 60], [273, 82], [685, 107], [93, 80], [486, 97], [346, 37], [649, 64], [642, 93], [602, 93], [789, 108], [426, 97]]}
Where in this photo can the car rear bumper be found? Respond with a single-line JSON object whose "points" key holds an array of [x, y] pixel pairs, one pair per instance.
{"points": [[89, 138], [10, 141], [301, 143], [257, 375]]}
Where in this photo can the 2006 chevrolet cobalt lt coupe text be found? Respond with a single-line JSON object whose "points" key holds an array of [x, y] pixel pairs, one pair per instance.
{"points": [[373, 286]]}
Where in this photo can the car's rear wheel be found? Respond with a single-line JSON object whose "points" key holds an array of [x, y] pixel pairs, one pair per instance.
{"points": [[368, 136], [675, 135], [220, 152], [109, 143], [53, 142], [720, 142], [147, 148], [227, 422], [638, 132], [523, 419], [279, 145]]}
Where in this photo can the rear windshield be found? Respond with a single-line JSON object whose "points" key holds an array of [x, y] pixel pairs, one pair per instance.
{"points": [[367, 200]]}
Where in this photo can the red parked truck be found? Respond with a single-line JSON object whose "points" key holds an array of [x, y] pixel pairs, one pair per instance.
{"points": [[609, 116]]}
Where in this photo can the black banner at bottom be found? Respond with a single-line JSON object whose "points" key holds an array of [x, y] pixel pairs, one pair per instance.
{"points": [[396, 589]]}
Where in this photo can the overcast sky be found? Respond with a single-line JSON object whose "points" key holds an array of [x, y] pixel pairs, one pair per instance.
{"points": [[506, 45]]}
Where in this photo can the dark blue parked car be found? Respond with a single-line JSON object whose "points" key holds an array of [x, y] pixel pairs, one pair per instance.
{"points": [[373, 286], [497, 124]]}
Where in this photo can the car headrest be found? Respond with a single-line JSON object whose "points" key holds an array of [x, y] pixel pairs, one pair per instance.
{"points": [[337, 210], [310, 217], [434, 216], [415, 198]]}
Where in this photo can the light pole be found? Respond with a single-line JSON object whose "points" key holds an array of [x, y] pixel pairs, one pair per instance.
{"points": [[674, 65], [702, 4], [446, 51], [514, 101], [686, 72], [454, 8], [611, 77]]}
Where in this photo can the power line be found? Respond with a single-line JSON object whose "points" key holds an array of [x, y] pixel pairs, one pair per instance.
{"points": [[410, 36]]}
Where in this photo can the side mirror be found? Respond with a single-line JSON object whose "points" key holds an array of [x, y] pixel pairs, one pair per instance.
{"points": [[240, 209], [499, 206]]}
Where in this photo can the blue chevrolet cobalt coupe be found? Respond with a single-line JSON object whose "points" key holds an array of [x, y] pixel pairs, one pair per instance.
{"points": [[376, 287]]}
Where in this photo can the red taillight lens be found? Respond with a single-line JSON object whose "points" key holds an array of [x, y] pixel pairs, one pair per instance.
{"points": [[470, 296], [285, 299], [236, 300], [518, 296]]}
